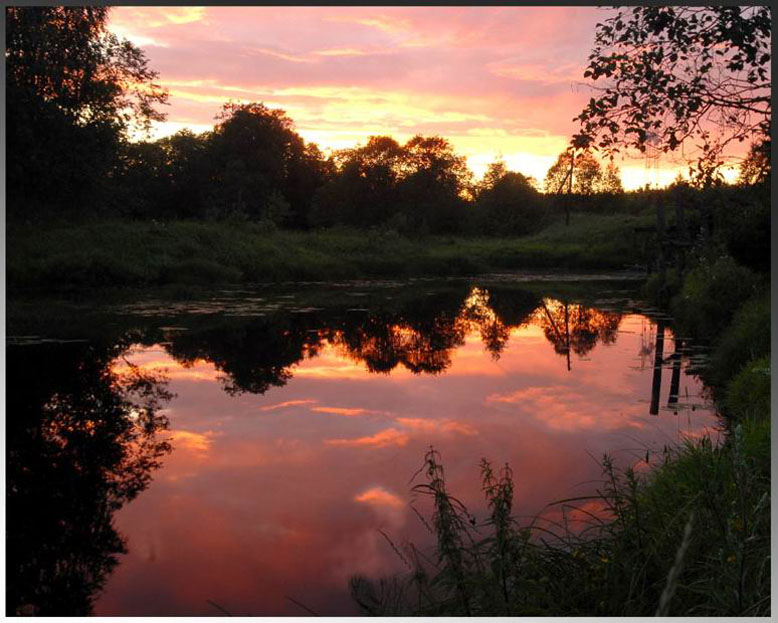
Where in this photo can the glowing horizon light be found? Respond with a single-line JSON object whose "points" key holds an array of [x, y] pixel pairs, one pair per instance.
{"points": [[496, 82]]}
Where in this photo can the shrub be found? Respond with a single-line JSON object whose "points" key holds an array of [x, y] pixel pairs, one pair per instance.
{"points": [[747, 338], [748, 393], [712, 292]]}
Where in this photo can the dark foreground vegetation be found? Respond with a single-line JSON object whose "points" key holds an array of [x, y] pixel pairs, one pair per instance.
{"points": [[691, 536]]}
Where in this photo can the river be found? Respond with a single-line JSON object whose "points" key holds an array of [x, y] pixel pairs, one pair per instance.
{"points": [[250, 450]]}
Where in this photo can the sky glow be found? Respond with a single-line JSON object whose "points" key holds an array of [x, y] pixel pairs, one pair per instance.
{"points": [[495, 81]]}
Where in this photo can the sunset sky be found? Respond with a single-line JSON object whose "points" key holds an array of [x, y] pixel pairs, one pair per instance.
{"points": [[495, 81]]}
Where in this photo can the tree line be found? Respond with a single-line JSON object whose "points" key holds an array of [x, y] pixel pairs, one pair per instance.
{"points": [[77, 94], [254, 165]]}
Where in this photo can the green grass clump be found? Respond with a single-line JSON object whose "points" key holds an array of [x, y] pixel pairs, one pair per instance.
{"points": [[748, 393], [746, 338], [140, 253], [712, 291]]}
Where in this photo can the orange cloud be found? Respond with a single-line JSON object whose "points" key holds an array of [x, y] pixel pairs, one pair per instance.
{"points": [[416, 423], [562, 408], [421, 424], [198, 444], [343, 52], [184, 15], [459, 427], [293, 58], [341, 411], [380, 497], [288, 403], [493, 80], [388, 437], [387, 24]]}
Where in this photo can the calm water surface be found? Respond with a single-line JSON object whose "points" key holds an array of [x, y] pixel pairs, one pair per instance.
{"points": [[249, 447]]}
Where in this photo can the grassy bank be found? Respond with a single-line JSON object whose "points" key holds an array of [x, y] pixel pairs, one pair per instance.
{"points": [[125, 253], [691, 537]]}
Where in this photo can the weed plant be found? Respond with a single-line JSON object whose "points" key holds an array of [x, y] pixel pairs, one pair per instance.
{"points": [[692, 538]]}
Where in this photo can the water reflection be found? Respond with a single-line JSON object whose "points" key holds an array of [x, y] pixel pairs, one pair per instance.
{"points": [[295, 435], [82, 441], [259, 353], [572, 327]]}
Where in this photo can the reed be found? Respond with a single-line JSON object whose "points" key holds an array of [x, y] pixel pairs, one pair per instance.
{"points": [[692, 537]]}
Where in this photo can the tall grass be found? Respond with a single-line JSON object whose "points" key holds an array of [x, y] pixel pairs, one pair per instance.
{"points": [[691, 538]]}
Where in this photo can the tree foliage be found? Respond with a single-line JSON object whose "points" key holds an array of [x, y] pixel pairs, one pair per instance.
{"points": [[65, 56], [254, 149], [365, 189], [84, 439], [588, 177], [507, 202], [610, 180], [74, 91], [418, 186], [674, 75], [755, 168]]}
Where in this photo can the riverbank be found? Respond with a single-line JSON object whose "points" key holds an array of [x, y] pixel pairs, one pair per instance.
{"points": [[131, 253], [687, 534]]}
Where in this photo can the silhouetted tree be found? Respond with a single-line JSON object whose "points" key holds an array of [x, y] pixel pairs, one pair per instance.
{"points": [[586, 174], [677, 73], [610, 180], [576, 328], [259, 163], [419, 333], [364, 190], [756, 168], [189, 166], [140, 180], [507, 203], [255, 354], [74, 91], [493, 174], [434, 184]]}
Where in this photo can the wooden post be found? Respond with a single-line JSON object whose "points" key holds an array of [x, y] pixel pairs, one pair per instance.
{"points": [[567, 335], [656, 382], [675, 379]]}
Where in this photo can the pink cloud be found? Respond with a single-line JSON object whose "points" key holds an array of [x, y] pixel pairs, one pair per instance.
{"points": [[345, 73]]}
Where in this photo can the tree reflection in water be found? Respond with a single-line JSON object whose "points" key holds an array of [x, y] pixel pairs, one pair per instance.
{"points": [[254, 354], [85, 428], [83, 439], [420, 334], [573, 327]]}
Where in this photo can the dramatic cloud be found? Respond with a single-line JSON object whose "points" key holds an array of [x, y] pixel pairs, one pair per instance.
{"points": [[495, 81]]}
